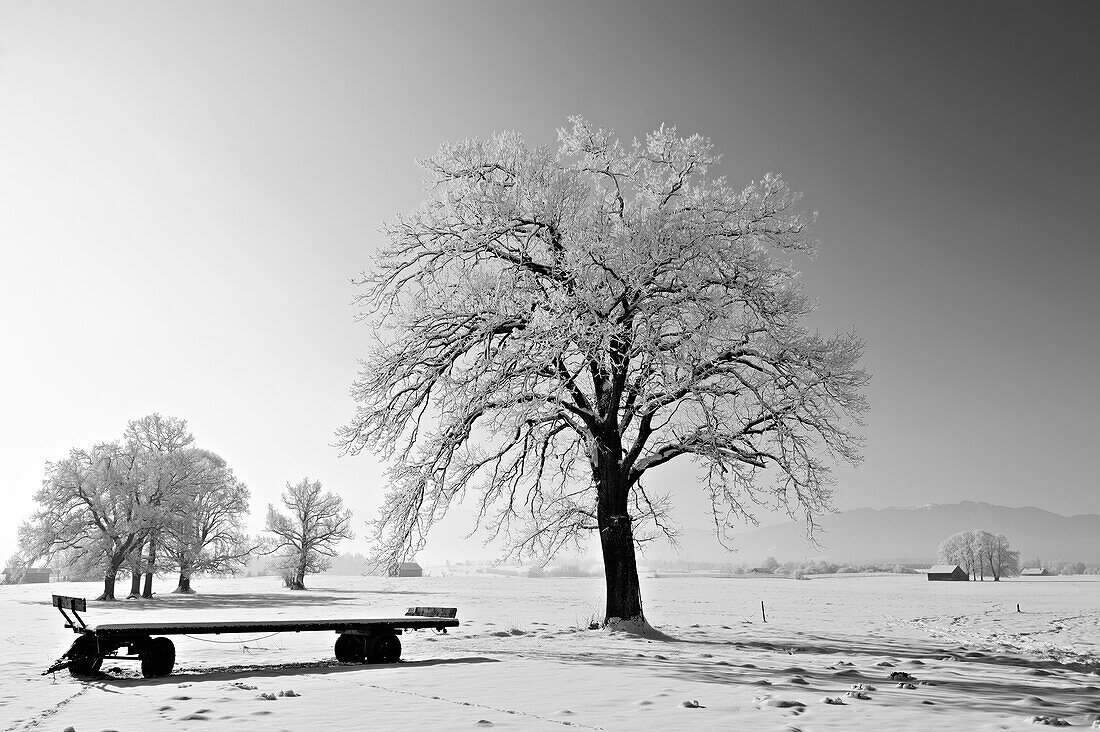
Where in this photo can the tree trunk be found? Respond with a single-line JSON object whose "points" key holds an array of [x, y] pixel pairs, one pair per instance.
{"points": [[300, 577], [108, 587], [109, 577], [624, 594], [184, 587], [151, 566], [135, 583]]}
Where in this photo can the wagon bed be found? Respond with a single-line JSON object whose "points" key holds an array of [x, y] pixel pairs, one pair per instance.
{"points": [[373, 640], [216, 627]]}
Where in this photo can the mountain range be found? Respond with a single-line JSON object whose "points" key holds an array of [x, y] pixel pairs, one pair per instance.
{"points": [[902, 535]]}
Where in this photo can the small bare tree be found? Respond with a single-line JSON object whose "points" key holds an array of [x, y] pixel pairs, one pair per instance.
{"points": [[15, 569], [551, 326], [306, 540]]}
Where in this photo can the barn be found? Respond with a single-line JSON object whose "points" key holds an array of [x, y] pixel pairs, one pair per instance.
{"points": [[408, 569], [30, 575], [947, 573], [1034, 572]]}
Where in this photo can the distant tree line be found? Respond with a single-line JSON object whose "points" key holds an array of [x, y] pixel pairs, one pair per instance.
{"points": [[153, 502], [795, 569], [1066, 567]]}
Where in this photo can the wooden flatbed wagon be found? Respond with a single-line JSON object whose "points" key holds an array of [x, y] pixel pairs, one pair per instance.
{"points": [[370, 640]]}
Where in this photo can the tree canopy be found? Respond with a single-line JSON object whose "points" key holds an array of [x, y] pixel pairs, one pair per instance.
{"points": [[117, 502], [979, 552], [552, 325], [305, 538]]}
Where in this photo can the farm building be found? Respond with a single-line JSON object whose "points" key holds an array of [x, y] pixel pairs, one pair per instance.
{"points": [[947, 573], [407, 569], [1034, 572], [31, 575]]}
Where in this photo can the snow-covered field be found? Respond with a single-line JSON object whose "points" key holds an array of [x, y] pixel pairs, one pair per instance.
{"points": [[523, 658]]}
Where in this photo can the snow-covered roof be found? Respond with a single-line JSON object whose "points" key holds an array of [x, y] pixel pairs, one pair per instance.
{"points": [[943, 568]]}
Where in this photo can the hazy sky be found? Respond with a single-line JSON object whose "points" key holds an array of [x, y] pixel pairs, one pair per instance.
{"points": [[187, 188]]}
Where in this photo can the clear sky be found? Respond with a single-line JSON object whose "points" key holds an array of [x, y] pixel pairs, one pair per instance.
{"points": [[187, 188]]}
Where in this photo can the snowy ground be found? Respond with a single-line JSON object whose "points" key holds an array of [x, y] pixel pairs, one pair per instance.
{"points": [[522, 660]]}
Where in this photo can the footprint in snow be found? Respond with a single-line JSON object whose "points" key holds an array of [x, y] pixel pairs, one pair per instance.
{"points": [[1046, 721], [766, 701]]}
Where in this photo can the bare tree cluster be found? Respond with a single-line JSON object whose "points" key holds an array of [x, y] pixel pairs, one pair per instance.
{"points": [[150, 501], [305, 539], [980, 552], [553, 325]]}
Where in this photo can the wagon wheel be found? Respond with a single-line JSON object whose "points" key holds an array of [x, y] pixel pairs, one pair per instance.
{"points": [[350, 648], [385, 647], [85, 656], [158, 656]]}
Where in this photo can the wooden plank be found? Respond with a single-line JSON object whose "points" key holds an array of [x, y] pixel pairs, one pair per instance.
{"points": [[63, 602], [433, 612]]}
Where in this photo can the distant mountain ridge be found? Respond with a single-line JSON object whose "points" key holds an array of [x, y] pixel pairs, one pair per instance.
{"points": [[905, 535]]}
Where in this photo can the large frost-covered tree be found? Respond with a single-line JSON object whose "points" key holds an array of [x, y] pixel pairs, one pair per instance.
{"points": [[553, 325], [207, 532], [112, 505]]}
